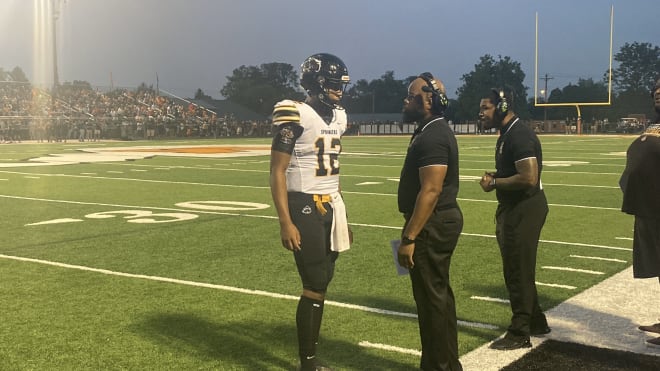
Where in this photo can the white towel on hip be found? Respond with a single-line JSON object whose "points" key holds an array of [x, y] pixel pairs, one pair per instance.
{"points": [[339, 239]]}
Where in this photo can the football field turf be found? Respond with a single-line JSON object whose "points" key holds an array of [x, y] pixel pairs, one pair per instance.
{"points": [[159, 259]]}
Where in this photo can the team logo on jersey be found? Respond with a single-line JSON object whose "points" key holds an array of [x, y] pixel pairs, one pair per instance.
{"points": [[286, 136], [307, 210]]}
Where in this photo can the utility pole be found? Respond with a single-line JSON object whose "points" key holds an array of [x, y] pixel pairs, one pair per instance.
{"points": [[545, 98]]}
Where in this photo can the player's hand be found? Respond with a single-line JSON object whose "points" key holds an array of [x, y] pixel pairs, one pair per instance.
{"points": [[405, 255], [290, 237]]}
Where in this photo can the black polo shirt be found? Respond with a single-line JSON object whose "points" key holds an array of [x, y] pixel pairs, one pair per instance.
{"points": [[516, 142], [433, 143], [640, 180]]}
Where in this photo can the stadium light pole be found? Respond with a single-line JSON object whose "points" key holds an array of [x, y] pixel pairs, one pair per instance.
{"points": [[56, 14], [544, 93]]}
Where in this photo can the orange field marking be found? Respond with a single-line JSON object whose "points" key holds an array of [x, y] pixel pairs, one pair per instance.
{"points": [[193, 150]]}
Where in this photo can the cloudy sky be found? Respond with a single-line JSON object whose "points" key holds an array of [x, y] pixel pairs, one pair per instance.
{"points": [[193, 44]]}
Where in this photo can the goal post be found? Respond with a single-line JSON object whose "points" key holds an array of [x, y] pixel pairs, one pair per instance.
{"points": [[570, 104]]}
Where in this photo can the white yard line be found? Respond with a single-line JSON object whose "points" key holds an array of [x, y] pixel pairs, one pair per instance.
{"points": [[556, 285], [390, 348], [598, 258], [488, 298], [230, 289], [623, 238], [567, 269]]}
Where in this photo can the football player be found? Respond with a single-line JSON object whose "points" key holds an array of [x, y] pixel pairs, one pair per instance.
{"points": [[304, 183]]}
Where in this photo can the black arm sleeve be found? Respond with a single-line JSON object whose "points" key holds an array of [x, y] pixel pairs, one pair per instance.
{"points": [[285, 137]]}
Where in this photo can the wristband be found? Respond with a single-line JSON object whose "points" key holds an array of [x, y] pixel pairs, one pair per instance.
{"points": [[405, 240], [493, 183]]}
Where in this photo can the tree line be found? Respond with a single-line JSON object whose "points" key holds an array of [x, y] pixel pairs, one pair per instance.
{"points": [[638, 66], [259, 87]]}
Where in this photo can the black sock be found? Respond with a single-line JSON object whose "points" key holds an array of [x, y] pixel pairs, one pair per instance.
{"points": [[308, 322]]}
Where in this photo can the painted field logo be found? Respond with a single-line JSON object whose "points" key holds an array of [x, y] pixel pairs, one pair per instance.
{"points": [[91, 155]]}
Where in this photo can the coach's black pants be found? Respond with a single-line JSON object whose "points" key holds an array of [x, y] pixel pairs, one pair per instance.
{"points": [[518, 231], [436, 308]]}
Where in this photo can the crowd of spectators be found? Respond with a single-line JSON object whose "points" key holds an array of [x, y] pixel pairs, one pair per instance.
{"points": [[78, 112]]}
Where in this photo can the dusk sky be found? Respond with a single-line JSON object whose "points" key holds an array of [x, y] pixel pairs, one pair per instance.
{"points": [[193, 44]]}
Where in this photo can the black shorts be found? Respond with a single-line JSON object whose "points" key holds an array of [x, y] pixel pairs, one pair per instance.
{"points": [[315, 260]]}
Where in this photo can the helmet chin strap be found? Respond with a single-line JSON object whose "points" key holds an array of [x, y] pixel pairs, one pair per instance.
{"points": [[322, 96]]}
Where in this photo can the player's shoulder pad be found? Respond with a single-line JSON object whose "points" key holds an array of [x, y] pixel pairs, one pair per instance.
{"points": [[286, 111]]}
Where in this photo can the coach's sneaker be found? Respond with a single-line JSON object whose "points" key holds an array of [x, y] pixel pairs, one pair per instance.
{"points": [[511, 342], [653, 343], [652, 328], [540, 331]]}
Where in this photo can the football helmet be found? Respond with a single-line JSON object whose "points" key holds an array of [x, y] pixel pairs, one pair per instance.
{"points": [[322, 72]]}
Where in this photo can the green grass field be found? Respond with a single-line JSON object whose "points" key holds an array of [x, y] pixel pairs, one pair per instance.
{"points": [[174, 262]]}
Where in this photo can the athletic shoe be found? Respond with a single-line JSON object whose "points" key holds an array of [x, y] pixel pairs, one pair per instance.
{"points": [[540, 331], [653, 343], [653, 328], [510, 342]]}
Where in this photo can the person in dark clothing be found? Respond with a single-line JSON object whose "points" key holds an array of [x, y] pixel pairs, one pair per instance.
{"points": [[640, 182], [521, 212], [433, 221]]}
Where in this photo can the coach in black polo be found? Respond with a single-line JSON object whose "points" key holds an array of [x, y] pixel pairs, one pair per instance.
{"points": [[433, 220], [521, 212]]}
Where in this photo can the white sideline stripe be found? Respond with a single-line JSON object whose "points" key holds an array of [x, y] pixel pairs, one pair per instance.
{"points": [[229, 288], [274, 217], [598, 258], [390, 348], [488, 298], [572, 270], [569, 287]]}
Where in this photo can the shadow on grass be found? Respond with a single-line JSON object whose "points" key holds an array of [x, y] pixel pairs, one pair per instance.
{"points": [[252, 346], [555, 355]]}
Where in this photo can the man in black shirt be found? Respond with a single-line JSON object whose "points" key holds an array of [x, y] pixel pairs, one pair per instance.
{"points": [[521, 212], [433, 220], [640, 183]]}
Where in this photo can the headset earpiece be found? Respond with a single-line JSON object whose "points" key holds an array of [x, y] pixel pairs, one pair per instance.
{"points": [[501, 104], [439, 101]]}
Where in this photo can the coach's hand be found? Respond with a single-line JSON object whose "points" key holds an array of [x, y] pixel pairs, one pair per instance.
{"points": [[486, 182], [405, 255]]}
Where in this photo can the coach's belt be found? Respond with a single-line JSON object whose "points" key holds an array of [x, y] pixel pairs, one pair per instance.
{"points": [[319, 200]]}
